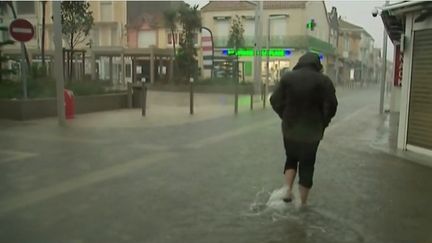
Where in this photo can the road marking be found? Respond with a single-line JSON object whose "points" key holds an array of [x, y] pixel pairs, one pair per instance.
{"points": [[230, 134], [120, 169], [13, 155]]}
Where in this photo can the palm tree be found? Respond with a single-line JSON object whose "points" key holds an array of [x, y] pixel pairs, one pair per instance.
{"points": [[171, 17], [171, 23]]}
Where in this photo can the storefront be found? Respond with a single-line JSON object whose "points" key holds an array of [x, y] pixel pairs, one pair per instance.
{"points": [[280, 61], [409, 25]]}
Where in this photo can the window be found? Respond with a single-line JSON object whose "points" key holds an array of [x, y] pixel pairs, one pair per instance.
{"points": [[146, 38], [95, 37], [249, 28], [278, 27], [114, 36], [346, 43], [170, 38], [222, 28], [106, 11], [25, 7]]}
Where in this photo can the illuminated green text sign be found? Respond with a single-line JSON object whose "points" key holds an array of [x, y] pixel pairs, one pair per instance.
{"points": [[249, 52]]}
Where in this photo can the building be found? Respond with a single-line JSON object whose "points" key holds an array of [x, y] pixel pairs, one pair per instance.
{"points": [[287, 32], [148, 35], [356, 50], [108, 33], [334, 63], [409, 26]]}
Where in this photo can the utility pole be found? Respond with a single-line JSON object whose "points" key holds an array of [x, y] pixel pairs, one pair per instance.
{"points": [[384, 69], [258, 46], [267, 81], [337, 54], [58, 64]]}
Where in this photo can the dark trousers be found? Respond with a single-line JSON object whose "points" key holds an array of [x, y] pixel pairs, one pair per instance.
{"points": [[301, 155]]}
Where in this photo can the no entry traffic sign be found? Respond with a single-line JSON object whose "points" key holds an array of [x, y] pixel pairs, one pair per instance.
{"points": [[21, 30]]}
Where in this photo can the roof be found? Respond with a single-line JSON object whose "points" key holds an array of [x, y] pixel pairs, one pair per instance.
{"points": [[137, 10], [347, 25], [403, 6], [343, 24], [246, 5]]}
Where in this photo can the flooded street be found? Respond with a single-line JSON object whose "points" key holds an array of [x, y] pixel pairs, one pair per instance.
{"points": [[207, 179]]}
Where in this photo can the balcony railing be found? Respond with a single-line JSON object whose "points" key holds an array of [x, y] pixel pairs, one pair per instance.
{"points": [[299, 42]]}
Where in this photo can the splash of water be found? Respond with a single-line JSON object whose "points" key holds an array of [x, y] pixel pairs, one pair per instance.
{"points": [[271, 203]]}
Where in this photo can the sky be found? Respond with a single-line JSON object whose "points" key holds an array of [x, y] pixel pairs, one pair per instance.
{"points": [[356, 12]]}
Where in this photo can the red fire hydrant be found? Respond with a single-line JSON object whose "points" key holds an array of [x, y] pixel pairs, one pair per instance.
{"points": [[69, 104]]}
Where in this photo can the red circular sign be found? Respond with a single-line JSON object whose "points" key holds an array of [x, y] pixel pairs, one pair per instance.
{"points": [[21, 30]]}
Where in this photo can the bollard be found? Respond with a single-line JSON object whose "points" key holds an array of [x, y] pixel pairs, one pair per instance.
{"points": [[251, 101], [143, 97], [129, 95], [236, 97], [191, 97]]}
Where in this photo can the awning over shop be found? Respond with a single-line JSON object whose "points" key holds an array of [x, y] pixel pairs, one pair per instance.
{"points": [[393, 16]]}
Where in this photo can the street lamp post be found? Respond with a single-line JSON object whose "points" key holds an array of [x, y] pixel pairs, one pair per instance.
{"points": [[384, 69], [257, 46], [212, 43], [58, 64]]}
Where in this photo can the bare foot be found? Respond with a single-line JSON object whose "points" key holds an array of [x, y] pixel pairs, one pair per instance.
{"points": [[288, 197]]}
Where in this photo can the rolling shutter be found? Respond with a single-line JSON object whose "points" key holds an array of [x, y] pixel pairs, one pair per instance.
{"points": [[420, 107]]}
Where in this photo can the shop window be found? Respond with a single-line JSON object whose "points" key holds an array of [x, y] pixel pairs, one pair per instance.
{"points": [[248, 68]]}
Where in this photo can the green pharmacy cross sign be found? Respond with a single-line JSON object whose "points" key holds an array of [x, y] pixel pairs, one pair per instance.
{"points": [[311, 24], [249, 52]]}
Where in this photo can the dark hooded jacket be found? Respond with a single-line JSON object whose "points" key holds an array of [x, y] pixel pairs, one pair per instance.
{"points": [[305, 100]]}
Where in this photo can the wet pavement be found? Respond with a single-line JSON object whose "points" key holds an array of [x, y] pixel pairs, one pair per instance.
{"points": [[214, 177]]}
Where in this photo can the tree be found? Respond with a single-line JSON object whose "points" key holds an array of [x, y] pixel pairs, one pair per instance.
{"points": [[190, 20], [236, 40], [171, 17], [77, 21]]}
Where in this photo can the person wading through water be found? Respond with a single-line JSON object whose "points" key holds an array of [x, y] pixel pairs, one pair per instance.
{"points": [[305, 100]]}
